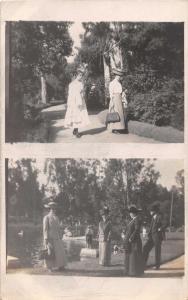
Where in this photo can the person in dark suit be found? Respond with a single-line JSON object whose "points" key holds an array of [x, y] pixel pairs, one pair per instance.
{"points": [[155, 237], [133, 245]]}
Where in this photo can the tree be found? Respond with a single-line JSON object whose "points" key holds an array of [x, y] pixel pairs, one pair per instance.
{"points": [[37, 50], [180, 181], [128, 182], [101, 50], [23, 183], [76, 187]]}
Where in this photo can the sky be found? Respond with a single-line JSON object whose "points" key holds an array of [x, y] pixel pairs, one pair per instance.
{"points": [[75, 30], [167, 168]]}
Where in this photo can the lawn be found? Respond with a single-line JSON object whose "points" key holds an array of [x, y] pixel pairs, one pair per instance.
{"points": [[165, 134]]}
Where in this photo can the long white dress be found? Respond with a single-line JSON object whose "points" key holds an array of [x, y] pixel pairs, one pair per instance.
{"points": [[115, 89], [51, 231], [76, 115]]}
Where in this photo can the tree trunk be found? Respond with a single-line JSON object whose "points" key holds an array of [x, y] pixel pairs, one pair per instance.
{"points": [[43, 90], [116, 59], [106, 80]]}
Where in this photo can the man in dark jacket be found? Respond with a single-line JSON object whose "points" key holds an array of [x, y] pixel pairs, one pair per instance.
{"points": [[155, 237]]}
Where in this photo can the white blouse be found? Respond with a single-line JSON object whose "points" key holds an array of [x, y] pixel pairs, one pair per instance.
{"points": [[115, 87]]}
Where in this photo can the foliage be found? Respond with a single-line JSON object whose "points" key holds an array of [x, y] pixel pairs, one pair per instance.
{"points": [[180, 181], [83, 187], [37, 49], [153, 56], [93, 44], [23, 183]]}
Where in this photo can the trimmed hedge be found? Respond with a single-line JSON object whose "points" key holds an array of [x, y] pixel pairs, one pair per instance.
{"points": [[165, 134]]}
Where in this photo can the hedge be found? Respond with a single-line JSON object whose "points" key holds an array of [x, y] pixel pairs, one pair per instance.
{"points": [[166, 134]]}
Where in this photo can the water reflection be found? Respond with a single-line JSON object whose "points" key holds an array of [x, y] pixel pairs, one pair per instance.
{"points": [[26, 247]]}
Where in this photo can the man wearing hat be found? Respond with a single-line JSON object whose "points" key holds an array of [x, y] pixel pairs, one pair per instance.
{"points": [[116, 102], [155, 237]]}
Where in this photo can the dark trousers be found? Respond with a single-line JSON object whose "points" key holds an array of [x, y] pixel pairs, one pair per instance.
{"points": [[147, 248], [89, 238]]}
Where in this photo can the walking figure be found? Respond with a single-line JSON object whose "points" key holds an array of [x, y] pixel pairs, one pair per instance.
{"points": [[76, 115]]}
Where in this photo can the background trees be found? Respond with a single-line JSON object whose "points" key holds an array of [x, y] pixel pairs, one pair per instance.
{"points": [[38, 52], [24, 195], [83, 187]]}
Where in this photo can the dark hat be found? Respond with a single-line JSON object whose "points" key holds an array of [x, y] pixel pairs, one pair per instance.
{"points": [[133, 209], [155, 208], [119, 72], [105, 211], [51, 204]]}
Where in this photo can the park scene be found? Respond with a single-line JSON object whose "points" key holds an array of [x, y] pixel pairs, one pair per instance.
{"points": [[85, 195], [146, 60]]}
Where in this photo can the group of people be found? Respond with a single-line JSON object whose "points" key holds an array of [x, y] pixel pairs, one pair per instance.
{"points": [[77, 115], [136, 256]]}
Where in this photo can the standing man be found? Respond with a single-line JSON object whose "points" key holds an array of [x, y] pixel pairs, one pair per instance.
{"points": [[155, 237]]}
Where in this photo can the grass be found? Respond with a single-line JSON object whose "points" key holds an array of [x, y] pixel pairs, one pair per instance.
{"points": [[165, 134], [35, 133]]}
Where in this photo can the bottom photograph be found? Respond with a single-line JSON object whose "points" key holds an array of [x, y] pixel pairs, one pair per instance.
{"points": [[95, 217]]}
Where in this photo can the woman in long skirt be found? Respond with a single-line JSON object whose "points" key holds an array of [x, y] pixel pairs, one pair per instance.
{"points": [[105, 232], [76, 115], [52, 239], [134, 264], [117, 103]]}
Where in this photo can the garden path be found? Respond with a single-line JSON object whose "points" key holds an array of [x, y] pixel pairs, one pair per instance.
{"points": [[95, 132]]}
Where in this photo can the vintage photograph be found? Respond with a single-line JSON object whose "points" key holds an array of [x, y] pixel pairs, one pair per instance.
{"points": [[101, 82], [95, 218]]}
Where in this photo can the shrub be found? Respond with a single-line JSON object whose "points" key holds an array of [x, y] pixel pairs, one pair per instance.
{"points": [[155, 99], [159, 108], [94, 91]]}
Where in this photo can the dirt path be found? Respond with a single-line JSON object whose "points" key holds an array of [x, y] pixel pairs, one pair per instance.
{"points": [[95, 132]]}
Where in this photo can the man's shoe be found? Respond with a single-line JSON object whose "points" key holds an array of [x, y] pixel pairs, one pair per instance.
{"points": [[78, 135], [115, 131]]}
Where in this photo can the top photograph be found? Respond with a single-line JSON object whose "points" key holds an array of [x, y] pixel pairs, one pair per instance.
{"points": [[94, 82]]}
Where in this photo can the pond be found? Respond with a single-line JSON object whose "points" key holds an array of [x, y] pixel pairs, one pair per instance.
{"points": [[26, 246]]}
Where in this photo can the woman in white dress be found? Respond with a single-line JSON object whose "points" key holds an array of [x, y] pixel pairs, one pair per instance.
{"points": [[53, 240], [76, 116]]}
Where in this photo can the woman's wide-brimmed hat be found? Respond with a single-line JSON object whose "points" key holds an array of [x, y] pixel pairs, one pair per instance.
{"points": [[119, 72], [51, 204]]}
